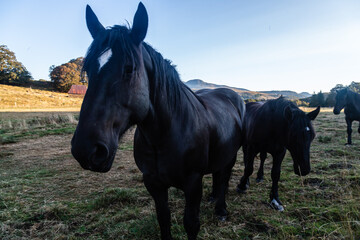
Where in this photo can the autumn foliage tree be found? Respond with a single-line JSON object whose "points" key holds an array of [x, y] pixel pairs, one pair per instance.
{"points": [[67, 74], [12, 72]]}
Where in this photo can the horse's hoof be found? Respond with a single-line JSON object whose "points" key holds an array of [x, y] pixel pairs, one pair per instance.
{"points": [[240, 190], [222, 218], [259, 180], [276, 205]]}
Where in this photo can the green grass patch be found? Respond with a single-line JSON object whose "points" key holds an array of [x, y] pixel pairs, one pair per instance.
{"points": [[15, 130]]}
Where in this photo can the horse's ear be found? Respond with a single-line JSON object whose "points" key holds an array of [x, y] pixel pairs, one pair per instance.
{"points": [[140, 24], [92, 22], [288, 113], [312, 115]]}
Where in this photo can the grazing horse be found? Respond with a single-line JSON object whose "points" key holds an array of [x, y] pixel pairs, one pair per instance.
{"points": [[180, 135], [349, 100], [272, 127]]}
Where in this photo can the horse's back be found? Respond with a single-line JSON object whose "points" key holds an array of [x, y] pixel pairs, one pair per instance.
{"points": [[222, 97]]}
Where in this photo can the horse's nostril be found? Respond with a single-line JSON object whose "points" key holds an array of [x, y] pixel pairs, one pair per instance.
{"points": [[101, 154]]}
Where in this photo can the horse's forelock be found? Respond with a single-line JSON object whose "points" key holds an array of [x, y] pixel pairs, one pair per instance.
{"points": [[115, 38]]}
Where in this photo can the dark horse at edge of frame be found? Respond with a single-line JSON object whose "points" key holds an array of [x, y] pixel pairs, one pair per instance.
{"points": [[180, 135], [350, 101], [272, 127]]}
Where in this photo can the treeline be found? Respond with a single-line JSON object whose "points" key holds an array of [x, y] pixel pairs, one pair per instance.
{"points": [[320, 98], [327, 99], [13, 72]]}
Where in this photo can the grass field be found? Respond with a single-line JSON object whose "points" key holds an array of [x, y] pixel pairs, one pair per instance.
{"points": [[44, 193]]}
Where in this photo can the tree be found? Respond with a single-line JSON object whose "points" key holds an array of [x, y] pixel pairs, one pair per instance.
{"points": [[313, 100], [67, 74], [317, 100], [321, 99], [12, 71]]}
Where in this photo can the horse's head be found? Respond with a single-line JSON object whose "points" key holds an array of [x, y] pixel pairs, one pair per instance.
{"points": [[118, 92], [301, 134], [340, 100]]}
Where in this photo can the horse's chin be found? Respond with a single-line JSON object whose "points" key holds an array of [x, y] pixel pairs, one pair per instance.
{"points": [[336, 112], [104, 167]]}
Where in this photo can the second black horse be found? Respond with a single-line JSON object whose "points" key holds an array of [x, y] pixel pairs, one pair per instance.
{"points": [[349, 100], [273, 127]]}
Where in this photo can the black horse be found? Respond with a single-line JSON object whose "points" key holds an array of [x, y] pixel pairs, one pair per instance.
{"points": [[180, 135], [349, 100], [272, 127]]}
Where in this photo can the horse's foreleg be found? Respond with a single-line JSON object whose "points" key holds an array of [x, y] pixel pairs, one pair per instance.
{"points": [[249, 168], [160, 196], [349, 130], [359, 128], [193, 195], [275, 177], [260, 173]]}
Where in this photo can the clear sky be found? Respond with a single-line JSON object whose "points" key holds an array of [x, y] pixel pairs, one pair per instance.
{"points": [[300, 45]]}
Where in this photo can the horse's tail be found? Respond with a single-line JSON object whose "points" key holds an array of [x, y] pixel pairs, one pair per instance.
{"points": [[240, 106]]}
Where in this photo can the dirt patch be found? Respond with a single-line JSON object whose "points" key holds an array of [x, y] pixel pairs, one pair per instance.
{"points": [[341, 166], [316, 182], [50, 156]]}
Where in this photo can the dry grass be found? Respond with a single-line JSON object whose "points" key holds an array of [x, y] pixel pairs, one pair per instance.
{"points": [[26, 99]]}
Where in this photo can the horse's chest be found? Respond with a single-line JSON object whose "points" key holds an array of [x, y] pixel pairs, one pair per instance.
{"points": [[352, 113], [170, 164]]}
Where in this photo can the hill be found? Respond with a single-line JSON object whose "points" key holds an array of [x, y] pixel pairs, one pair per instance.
{"points": [[197, 84], [288, 94], [28, 99]]}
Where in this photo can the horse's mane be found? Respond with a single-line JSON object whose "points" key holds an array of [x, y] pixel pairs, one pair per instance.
{"points": [[166, 78]]}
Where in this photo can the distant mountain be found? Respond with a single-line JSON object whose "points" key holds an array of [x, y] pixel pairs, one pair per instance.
{"points": [[288, 94], [197, 84], [200, 84]]}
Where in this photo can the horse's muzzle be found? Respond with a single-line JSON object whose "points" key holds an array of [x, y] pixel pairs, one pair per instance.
{"points": [[98, 158], [301, 171], [336, 111]]}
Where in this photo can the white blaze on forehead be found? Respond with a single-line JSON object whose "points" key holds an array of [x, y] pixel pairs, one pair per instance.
{"points": [[104, 58], [307, 129]]}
